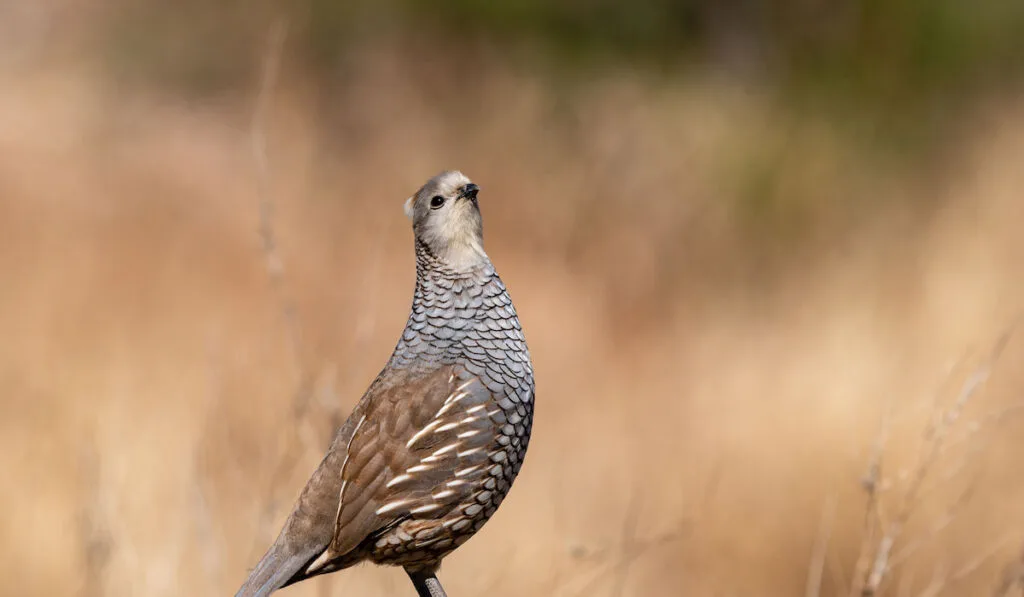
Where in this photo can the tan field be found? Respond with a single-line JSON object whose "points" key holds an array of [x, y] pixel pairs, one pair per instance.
{"points": [[712, 386]]}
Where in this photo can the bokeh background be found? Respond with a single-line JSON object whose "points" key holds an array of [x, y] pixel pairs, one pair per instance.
{"points": [[765, 255]]}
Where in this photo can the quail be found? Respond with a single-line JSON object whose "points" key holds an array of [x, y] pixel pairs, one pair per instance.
{"points": [[432, 448]]}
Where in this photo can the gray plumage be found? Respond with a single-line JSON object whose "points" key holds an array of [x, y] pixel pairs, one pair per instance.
{"points": [[432, 448]]}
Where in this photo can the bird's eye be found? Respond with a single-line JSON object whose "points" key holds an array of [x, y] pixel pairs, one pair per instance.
{"points": [[437, 201]]}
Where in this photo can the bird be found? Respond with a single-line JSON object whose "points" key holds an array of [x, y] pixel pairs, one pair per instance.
{"points": [[432, 448]]}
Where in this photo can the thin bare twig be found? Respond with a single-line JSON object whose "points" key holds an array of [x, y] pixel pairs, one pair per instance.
{"points": [[258, 141], [935, 436], [871, 483], [940, 525], [982, 557], [274, 262], [991, 419], [944, 581], [816, 568]]}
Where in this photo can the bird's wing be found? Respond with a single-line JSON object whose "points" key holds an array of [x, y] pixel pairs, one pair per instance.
{"points": [[418, 441]]}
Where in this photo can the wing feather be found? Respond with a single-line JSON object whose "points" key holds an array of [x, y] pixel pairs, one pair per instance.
{"points": [[419, 433]]}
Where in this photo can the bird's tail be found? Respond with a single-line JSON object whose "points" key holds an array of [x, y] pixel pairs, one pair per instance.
{"points": [[280, 566], [309, 529]]}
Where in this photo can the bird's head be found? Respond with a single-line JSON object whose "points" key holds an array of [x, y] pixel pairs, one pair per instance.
{"points": [[446, 219]]}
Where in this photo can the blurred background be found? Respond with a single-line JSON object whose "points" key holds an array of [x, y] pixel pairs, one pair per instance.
{"points": [[766, 256]]}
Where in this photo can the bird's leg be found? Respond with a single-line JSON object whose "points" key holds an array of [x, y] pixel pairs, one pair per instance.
{"points": [[426, 583]]}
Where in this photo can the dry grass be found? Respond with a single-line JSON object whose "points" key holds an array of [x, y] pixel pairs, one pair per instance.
{"points": [[705, 413]]}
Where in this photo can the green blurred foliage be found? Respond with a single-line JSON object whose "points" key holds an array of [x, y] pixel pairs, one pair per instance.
{"points": [[873, 48], [892, 76]]}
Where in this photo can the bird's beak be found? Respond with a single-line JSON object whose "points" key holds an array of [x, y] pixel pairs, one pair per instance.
{"points": [[469, 192]]}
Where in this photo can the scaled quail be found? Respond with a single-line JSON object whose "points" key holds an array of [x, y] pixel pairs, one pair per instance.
{"points": [[433, 446]]}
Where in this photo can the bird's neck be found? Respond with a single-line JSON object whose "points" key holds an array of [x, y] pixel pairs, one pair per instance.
{"points": [[447, 305], [435, 273]]}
